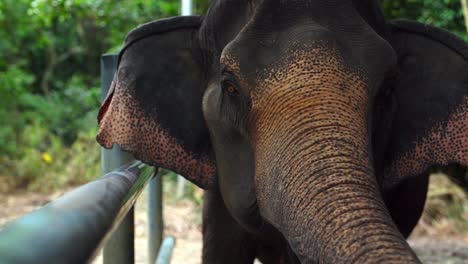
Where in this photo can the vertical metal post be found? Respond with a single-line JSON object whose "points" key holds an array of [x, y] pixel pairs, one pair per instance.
{"points": [[120, 247], [165, 254], [186, 7], [185, 10], [155, 217], [180, 188]]}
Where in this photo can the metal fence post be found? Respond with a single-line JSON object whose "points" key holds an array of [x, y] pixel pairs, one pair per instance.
{"points": [[155, 217], [120, 247], [186, 10], [165, 253]]}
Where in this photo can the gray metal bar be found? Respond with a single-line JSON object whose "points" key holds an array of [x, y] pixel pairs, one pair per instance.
{"points": [[72, 228], [120, 248], [186, 9], [155, 218], [108, 68], [165, 253]]}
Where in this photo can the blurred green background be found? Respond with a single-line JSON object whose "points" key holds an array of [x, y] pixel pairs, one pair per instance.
{"points": [[49, 82]]}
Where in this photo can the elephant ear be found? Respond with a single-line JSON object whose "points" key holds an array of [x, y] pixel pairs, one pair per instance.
{"points": [[154, 107], [430, 125]]}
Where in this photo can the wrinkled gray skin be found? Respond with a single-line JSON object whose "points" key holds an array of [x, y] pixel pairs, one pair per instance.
{"points": [[297, 117]]}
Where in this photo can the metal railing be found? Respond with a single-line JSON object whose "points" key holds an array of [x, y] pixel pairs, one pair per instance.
{"points": [[73, 228]]}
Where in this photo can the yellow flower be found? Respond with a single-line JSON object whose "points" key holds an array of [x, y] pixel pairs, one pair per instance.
{"points": [[46, 157]]}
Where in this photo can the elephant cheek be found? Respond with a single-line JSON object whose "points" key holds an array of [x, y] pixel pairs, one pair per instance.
{"points": [[124, 123]]}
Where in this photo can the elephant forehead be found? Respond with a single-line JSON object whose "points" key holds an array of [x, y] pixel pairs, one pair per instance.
{"points": [[300, 68], [308, 84], [316, 65]]}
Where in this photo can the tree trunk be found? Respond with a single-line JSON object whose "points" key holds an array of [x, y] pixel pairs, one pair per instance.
{"points": [[465, 12]]}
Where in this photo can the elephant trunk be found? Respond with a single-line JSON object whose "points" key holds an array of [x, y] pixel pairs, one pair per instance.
{"points": [[314, 178], [332, 208]]}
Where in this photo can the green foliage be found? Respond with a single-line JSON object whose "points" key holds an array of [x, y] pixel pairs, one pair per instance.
{"points": [[49, 79], [447, 14], [13, 84], [56, 166]]}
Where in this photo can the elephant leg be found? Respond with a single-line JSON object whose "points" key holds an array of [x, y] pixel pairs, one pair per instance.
{"points": [[224, 240], [406, 202]]}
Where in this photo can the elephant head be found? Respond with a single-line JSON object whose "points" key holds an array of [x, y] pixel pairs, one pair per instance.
{"points": [[289, 108]]}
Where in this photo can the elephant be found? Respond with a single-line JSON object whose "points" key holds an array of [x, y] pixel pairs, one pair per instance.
{"points": [[311, 125]]}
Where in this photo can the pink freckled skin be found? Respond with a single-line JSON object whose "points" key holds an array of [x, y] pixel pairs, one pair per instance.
{"points": [[443, 144], [125, 124]]}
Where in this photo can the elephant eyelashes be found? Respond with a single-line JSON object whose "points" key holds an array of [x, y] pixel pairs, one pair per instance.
{"points": [[228, 84], [234, 103], [231, 89]]}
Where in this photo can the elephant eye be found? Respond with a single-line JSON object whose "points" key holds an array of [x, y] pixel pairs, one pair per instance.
{"points": [[231, 89], [229, 86]]}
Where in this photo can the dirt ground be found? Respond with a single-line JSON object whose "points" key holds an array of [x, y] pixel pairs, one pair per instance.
{"points": [[183, 221]]}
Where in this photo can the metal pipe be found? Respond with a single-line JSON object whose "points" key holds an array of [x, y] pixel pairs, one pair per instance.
{"points": [[73, 228], [155, 218], [186, 9], [165, 253]]}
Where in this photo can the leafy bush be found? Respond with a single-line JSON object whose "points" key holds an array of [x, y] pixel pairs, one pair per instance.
{"points": [[446, 14], [45, 166], [49, 79]]}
